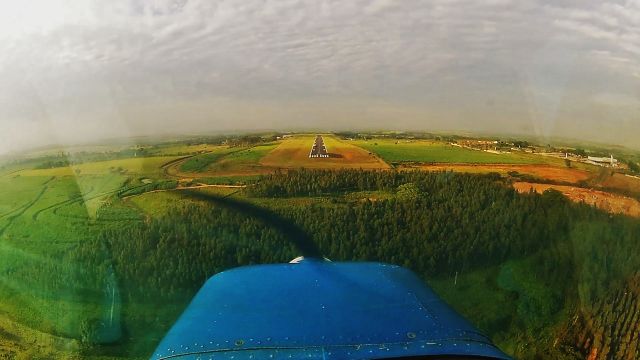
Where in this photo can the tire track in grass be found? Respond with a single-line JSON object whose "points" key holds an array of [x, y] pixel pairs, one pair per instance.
{"points": [[81, 196], [11, 218], [21, 207], [14, 210], [11, 173]]}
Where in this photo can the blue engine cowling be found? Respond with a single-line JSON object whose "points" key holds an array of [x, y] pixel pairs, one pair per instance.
{"points": [[320, 310]]}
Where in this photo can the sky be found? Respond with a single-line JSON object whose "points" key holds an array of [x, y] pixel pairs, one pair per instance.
{"points": [[85, 70]]}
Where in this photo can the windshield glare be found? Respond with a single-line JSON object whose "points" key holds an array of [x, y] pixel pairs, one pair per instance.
{"points": [[408, 178]]}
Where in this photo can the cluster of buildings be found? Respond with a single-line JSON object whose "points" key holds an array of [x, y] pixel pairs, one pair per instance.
{"points": [[497, 147], [478, 144], [609, 161]]}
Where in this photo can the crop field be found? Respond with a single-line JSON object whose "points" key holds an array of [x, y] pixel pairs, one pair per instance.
{"points": [[200, 163], [75, 149], [293, 152], [43, 214], [438, 152], [48, 295], [149, 166], [222, 161], [180, 149], [241, 162]]}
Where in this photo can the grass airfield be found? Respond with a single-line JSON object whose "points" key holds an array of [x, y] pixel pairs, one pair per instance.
{"points": [[46, 212]]}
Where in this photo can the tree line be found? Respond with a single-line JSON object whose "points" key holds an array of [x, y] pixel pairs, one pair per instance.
{"points": [[436, 224]]}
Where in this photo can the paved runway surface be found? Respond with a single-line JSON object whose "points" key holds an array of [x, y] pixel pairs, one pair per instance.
{"points": [[318, 150]]}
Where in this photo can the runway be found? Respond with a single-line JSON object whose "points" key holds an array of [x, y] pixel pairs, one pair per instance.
{"points": [[318, 150]]}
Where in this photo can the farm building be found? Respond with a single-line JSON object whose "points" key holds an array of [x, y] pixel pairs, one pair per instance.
{"points": [[602, 161]]}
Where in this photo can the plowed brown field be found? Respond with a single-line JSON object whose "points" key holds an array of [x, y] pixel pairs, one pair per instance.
{"points": [[548, 172], [613, 203]]}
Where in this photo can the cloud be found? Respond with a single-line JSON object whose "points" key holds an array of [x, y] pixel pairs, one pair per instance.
{"points": [[92, 64]]}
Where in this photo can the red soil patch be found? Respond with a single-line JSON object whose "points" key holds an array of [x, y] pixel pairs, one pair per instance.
{"points": [[613, 203]]}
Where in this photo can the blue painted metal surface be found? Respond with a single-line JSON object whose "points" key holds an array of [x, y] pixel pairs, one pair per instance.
{"points": [[320, 310]]}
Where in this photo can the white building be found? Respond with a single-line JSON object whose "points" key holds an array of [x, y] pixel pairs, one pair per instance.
{"points": [[602, 161]]}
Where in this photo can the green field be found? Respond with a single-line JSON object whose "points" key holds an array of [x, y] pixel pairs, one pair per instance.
{"points": [[224, 161], [58, 214], [149, 166], [180, 149], [425, 151], [243, 161], [45, 213], [201, 162]]}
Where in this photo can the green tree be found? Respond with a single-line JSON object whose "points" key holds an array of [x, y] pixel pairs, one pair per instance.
{"points": [[408, 191]]}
